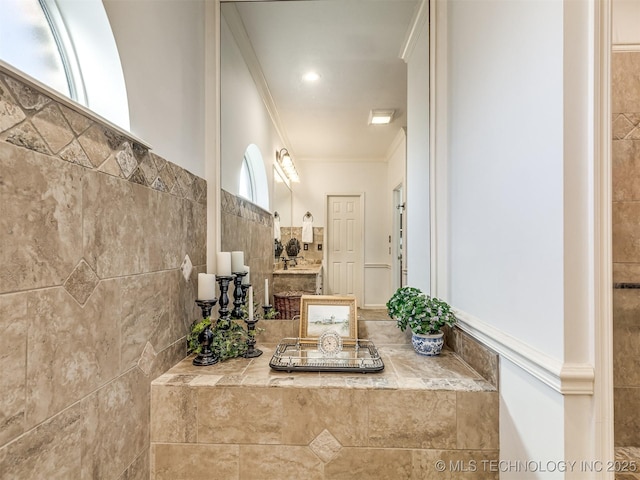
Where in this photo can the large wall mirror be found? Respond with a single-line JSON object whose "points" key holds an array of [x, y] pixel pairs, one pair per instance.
{"points": [[282, 199]]}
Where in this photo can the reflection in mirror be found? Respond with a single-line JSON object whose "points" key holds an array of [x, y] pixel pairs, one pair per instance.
{"points": [[282, 199]]}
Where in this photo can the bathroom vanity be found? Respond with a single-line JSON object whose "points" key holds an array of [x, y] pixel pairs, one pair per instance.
{"points": [[303, 278]]}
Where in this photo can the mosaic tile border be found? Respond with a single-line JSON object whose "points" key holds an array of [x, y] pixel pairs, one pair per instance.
{"points": [[241, 207], [34, 120]]}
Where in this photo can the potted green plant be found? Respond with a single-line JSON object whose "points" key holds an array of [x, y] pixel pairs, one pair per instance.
{"points": [[424, 315]]}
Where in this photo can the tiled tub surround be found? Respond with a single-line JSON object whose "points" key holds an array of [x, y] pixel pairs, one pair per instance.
{"points": [[241, 420], [312, 254], [93, 305], [626, 251], [249, 228]]}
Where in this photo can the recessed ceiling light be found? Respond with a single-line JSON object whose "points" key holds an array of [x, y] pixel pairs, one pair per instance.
{"points": [[311, 77], [380, 117]]}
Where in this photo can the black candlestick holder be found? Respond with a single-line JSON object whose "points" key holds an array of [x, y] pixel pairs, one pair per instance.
{"points": [[223, 301], [238, 298], [207, 355], [245, 289], [251, 352], [267, 310]]}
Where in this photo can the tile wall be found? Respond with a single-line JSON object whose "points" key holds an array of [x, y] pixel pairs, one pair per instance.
{"points": [[249, 228], [93, 305], [626, 246]]}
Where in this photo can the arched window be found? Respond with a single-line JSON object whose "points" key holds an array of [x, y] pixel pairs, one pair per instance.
{"points": [[28, 42], [253, 178], [68, 46]]}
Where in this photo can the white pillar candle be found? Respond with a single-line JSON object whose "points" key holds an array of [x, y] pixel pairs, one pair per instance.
{"points": [[237, 262], [246, 279], [266, 291], [250, 306], [224, 264], [206, 286]]}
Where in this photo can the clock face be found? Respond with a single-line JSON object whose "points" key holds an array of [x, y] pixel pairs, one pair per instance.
{"points": [[330, 343]]}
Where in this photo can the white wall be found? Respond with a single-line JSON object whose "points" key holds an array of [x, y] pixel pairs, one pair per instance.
{"points": [[318, 179], [161, 46], [626, 22], [244, 117], [520, 208], [506, 166]]}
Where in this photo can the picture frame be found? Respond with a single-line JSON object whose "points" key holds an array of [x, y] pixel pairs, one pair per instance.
{"points": [[320, 313]]}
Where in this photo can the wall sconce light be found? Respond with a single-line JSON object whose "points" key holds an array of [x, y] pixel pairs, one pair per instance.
{"points": [[286, 163]]}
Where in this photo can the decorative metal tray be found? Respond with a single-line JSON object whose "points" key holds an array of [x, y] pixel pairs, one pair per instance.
{"points": [[303, 355]]}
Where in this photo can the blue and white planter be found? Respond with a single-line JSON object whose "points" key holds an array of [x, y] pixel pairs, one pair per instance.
{"points": [[428, 345]]}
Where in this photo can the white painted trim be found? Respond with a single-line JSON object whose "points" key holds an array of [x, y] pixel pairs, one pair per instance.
{"points": [[66, 101], [626, 48], [565, 378], [386, 266], [212, 117], [603, 261], [438, 105], [420, 17]]}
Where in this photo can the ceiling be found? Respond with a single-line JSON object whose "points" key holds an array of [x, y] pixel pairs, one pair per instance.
{"points": [[355, 47]]}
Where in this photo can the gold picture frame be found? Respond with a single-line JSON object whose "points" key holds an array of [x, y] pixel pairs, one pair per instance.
{"points": [[320, 313]]}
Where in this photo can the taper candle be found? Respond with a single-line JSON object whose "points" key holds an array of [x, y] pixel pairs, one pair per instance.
{"points": [[237, 262], [266, 291], [250, 305], [246, 280], [224, 264], [206, 286]]}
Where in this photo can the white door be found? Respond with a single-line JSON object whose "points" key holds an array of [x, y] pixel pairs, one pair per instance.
{"points": [[344, 246]]}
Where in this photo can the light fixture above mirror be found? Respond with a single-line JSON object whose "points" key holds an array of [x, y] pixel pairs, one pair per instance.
{"points": [[286, 163]]}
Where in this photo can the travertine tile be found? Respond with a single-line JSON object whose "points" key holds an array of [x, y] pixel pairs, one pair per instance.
{"points": [[481, 359], [29, 98], [277, 462], [195, 462], [95, 144], [626, 273], [408, 364], [78, 122], [71, 350], [240, 415], [325, 446], [13, 358], [621, 127], [173, 414], [10, 113], [395, 423], [139, 469], [147, 314], [81, 283], [626, 305], [455, 465], [310, 411], [126, 160], [626, 416], [626, 232], [625, 89], [626, 170], [51, 450], [53, 127], [477, 420], [353, 463], [73, 153], [382, 332], [116, 425], [25, 135], [626, 354], [40, 221]]}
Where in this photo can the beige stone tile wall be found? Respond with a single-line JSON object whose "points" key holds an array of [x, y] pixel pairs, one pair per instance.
{"points": [[241, 420], [93, 306], [626, 246], [249, 228]]}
